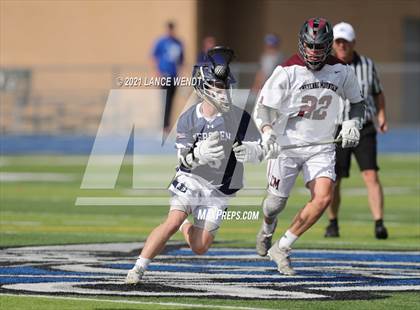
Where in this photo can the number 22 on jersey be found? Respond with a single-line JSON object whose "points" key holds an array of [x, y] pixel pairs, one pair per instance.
{"points": [[315, 108]]}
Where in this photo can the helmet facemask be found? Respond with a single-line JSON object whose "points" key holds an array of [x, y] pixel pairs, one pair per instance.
{"points": [[218, 94], [315, 42], [214, 79]]}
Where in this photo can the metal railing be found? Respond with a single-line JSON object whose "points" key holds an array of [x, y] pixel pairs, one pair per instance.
{"points": [[70, 99]]}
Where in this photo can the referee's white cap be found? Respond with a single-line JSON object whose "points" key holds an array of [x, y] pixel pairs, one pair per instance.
{"points": [[344, 31]]}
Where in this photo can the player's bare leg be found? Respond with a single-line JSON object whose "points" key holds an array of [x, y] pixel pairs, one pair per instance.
{"points": [[332, 210], [376, 201], [197, 238], [332, 229], [321, 192], [161, 234], [155, 244]]}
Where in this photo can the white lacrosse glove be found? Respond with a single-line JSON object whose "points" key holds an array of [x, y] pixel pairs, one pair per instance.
{"points": [[272, 151], [248, 152], [349, 134], [269, 144], [268, 137], [207, 150]]}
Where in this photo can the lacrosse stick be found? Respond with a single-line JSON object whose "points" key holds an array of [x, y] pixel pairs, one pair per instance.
{"points": [[299, 145]]}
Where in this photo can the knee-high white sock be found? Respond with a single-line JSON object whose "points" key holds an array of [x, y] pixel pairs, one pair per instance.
{"points": [[142, 263], [287, 240], [269, 228]]}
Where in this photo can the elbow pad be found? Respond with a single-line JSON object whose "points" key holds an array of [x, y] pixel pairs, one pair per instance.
{"points": [[264, 116]]}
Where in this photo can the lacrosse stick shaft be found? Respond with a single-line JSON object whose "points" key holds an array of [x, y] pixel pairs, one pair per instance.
{"points": [[299, 145]]}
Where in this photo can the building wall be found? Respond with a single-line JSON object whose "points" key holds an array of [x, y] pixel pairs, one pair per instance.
{"points": [[122, 32], [90, 32], [379, 26], [378, 23], [71, 51]]}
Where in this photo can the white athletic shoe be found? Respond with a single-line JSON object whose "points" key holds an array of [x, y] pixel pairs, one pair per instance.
{"points": [[264, 240], [281, 257], [134, 275]]}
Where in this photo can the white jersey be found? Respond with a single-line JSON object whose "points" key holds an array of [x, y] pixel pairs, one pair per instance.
{"points": [[309, 103]]}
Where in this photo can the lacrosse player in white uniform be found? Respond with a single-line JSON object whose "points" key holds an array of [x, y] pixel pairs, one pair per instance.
{"points": [[300, 103]]}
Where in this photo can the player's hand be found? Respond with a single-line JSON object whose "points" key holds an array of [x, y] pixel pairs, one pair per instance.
{"points": [[272, 151], [207, 150], [268, 137], [248, 152], [269, 144], [349, 134]]}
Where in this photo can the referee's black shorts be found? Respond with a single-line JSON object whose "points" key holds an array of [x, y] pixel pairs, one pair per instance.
{"points": [[365, 153]]}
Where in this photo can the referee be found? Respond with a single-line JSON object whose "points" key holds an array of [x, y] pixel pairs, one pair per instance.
{"points": [[365, 152]]}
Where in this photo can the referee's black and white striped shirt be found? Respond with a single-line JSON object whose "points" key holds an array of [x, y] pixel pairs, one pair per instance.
{"points": [[369, 85]]}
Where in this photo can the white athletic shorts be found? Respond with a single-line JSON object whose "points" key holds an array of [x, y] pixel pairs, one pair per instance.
{"points": [[194, 195], [283, 171]]}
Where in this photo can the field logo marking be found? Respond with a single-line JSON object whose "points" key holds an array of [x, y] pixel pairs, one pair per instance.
{"points": [[99, 269]]}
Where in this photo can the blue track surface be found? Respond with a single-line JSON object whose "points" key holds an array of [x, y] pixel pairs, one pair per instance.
{"points": [[397, 140]]}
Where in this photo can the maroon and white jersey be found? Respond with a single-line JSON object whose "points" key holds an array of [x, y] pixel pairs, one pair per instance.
{"points": [[309, 103]]}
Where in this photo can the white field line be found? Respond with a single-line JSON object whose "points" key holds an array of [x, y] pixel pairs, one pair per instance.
{"points": [[170, 304], [369, 288], [390, 244], [36, 177], [23, 223], [52, 161], [250, 191], [147, 201], [155, 198], [40, 160]]}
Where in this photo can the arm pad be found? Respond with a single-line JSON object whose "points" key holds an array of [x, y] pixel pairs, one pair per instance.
{"points": [[357, 112], [264, 116]]}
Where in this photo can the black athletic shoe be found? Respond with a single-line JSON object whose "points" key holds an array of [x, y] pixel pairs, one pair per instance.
{"points": [[332, 231], [381, 232]]}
